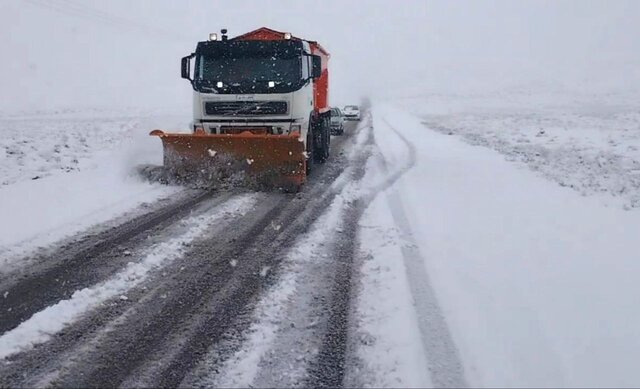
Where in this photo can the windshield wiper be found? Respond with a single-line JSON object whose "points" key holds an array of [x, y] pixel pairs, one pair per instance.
{"points": [[205, 86]]}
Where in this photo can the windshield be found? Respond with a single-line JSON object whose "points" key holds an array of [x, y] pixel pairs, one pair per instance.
{"points": [[249, 67]]}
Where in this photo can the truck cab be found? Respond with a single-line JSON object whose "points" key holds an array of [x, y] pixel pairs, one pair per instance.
{"points": [[265, 82]]}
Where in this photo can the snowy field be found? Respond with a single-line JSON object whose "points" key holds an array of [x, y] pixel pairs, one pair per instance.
{"points": [[66, 170], [590, 143], [40, 144]]}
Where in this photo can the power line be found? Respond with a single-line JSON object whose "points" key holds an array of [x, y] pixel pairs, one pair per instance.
{"points": [[103, 14], [70, 8]]}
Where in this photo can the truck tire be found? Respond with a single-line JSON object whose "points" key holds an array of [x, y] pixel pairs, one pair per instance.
{"points": [[328, 137], [310, 160], [322, 139]]}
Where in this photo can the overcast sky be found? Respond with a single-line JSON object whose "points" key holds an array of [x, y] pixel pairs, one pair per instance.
{"points": [[60, 53]]}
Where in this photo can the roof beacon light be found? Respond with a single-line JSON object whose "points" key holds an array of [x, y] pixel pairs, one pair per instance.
{"points": [[213, 36], [219, 84], [287, 35], [272, 84]]}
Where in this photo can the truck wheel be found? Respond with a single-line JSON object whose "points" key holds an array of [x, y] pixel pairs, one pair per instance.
{"points": [[327, 139], [310, 151], [321, 140], [321, 133]]}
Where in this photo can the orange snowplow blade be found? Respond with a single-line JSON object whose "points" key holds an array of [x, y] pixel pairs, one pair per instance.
{"points": [[276, 160]]}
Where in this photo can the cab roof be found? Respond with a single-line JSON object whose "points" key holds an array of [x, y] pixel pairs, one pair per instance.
{"points": [[264, 33]]}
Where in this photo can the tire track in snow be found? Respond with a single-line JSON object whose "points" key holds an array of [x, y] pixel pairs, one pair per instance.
{"points": [[445, 365], [391, 179], [295, 317], [167, 337], [159, 340], [287, 325], [79, 264], [330, 367], [45, 323], [91, 334]]}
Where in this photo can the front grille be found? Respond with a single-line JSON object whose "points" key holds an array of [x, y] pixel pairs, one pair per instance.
{"points": [[245, 108]]}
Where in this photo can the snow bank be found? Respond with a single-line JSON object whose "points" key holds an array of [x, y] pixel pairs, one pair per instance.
{"points": [[42, 325], [537, 283]]}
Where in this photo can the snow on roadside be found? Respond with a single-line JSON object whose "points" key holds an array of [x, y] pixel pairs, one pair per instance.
{"points": [[588, 143], [537, 283], [386, 323], [38, 213], [386, 335], [40, 145], [101, 186], [42, 325]]}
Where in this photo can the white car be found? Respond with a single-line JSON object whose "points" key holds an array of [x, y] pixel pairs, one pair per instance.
{"points": [[337, 122], [351, 112]]}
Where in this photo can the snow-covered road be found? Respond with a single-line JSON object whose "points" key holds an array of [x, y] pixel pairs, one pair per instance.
{"points": [[196, 266], [411, 259]]}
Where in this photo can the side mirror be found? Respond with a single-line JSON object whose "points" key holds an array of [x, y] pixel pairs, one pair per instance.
{"points": [[316, 66], [186, 67]]}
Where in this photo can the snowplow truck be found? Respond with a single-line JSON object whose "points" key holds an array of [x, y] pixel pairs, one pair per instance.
{"points": [[260, 109]]}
